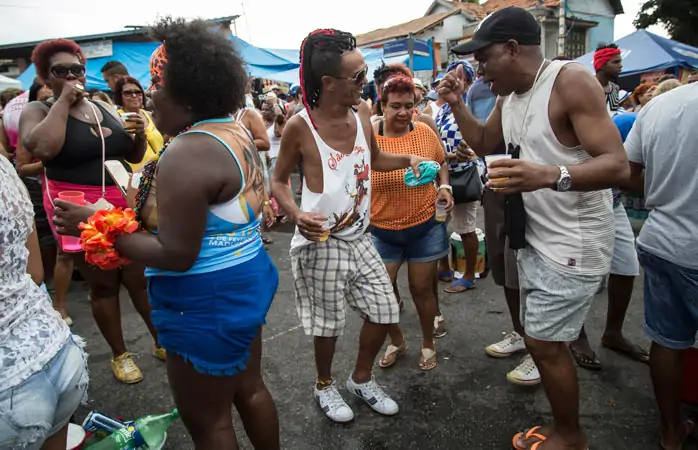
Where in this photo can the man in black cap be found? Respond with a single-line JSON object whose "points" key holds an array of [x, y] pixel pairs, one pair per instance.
{"points": [[566, 153]]}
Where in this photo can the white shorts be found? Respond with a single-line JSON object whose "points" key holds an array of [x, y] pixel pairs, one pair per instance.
{"points": [[463, 217], [554, 304], [624, 260]]}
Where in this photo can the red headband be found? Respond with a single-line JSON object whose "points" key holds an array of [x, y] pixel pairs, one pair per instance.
{"points": [[604, 55], [158, 60]]}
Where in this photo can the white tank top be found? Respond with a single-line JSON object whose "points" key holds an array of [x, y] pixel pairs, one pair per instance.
{"points": [[575, 230], [346, 188]]}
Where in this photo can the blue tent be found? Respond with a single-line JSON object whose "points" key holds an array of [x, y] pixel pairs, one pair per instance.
{"points": [[374, 59], [643, 51], [136, 57]]}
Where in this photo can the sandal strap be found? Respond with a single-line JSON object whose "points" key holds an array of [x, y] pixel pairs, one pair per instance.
{"points": [[428, 353], [532, 433]]}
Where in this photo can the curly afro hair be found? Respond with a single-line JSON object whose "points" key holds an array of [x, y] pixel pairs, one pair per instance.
{"points": [[43, 52], [203, 70]]}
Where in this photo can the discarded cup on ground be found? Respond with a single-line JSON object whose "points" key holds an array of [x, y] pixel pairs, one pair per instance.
{"points": [[70, 243], [441, 213], [489, 159]]}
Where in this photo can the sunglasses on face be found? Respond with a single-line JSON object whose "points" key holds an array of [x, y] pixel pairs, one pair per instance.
{"points": [[132, 93], [358, 78], [77, 70]]}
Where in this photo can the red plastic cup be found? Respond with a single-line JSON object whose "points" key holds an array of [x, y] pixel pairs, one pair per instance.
{"points": [[70, 243]]}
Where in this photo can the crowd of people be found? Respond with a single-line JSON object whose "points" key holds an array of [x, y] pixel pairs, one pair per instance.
{"points": [[563, 151]]}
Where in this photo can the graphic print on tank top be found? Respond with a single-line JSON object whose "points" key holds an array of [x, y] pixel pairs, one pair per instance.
{"points": [[233, 233], [345, 197]]}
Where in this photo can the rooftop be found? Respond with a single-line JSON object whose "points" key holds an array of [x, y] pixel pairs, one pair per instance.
{"points": [[137, 32], [415, 26], [494, 5]]}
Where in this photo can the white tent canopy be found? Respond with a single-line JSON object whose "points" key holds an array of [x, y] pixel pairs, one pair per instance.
{"points": [[7, 82]]}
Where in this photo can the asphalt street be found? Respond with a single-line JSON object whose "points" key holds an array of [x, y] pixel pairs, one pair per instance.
{"points": [[465, 403]]}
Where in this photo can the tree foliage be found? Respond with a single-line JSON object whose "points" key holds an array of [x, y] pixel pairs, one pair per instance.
{"points": [[679, 17]]}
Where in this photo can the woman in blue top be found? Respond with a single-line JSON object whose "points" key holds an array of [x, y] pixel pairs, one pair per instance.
{"points": [[211, 282]]}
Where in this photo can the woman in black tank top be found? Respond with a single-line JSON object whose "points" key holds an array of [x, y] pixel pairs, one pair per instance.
{"points": [[66, 133]]}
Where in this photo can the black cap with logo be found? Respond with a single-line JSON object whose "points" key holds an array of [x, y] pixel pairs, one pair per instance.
{"points": [[501, 26]]}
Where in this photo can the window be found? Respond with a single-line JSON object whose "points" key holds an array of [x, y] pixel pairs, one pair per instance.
{"points": [[575, 42]]}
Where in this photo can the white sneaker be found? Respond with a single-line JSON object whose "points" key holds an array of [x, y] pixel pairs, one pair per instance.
{"points": [[374, 395], [526, 374], [511, 344], [333, 405]]}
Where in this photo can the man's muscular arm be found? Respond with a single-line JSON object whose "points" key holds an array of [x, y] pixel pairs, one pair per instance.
{"points": [[583, 103]]}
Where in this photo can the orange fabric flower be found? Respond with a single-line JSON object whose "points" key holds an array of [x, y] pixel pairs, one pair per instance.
{"points": [[99, 233]]}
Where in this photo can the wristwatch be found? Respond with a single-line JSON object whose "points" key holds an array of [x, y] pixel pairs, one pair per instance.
{"points": [[564, 183], [267, 203], [447, 187]]}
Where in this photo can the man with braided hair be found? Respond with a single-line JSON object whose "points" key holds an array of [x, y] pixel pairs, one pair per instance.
{"points": [[333, 259]]}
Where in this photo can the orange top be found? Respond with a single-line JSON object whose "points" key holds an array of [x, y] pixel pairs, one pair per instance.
{"points": [[394, 205]]}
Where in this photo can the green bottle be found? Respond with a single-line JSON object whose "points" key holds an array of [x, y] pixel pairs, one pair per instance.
{"points": [[145, 431]]}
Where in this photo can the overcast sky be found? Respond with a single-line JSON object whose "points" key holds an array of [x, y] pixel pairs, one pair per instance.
{"points": [[264, 23]]}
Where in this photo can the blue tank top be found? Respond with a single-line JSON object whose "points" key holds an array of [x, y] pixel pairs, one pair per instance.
{"points": [[233, 231]]}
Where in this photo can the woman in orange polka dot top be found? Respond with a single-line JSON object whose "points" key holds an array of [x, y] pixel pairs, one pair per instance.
{"points": [[403, 218]]}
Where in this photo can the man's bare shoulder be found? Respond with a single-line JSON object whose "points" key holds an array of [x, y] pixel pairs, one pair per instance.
{"points": [[575, 81], [297, 134]]}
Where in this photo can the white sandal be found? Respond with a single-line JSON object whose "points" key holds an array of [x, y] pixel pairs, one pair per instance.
{"points": [[427, 355], [391, 354]]}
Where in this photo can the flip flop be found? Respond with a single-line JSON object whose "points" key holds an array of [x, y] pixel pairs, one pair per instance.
{"points": [[636, 354], [459, 286], [586, 361], [439, 327], [689, 428], [446, 277], [427, 361], [391, 355], [528, 434]]}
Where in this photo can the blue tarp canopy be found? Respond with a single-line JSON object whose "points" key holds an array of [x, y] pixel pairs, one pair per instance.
{"points": [[136, 57], [643, 51], [274, 64], [374, 59]]}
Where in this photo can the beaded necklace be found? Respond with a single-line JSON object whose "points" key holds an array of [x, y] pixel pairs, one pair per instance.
{"points": [[148, 175]]}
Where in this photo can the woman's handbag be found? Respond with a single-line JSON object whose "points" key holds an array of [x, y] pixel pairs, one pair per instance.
{"points": [[466, 184]]}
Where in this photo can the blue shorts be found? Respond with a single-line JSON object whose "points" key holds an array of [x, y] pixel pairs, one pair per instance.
{"points": [[425, 242], [671, 302], [211, 319], [42, 405]]}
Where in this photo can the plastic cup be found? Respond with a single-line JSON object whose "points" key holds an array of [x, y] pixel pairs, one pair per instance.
{"points": [[326, 231], [441, 214], [492, 158], [70, 243]]}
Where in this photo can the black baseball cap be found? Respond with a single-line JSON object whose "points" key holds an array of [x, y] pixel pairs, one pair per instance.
{"points": [[501, 26]]}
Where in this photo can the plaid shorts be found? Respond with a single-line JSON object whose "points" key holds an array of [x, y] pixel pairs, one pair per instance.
{"points": [[329, 273]]}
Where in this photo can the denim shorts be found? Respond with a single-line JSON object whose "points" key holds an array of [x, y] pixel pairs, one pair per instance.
{"points": [[671, 301], [211, 319], [425, 242], [43, 404]]}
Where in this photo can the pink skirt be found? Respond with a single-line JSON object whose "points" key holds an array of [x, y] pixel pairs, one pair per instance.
{"points": [[92, 194]]}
